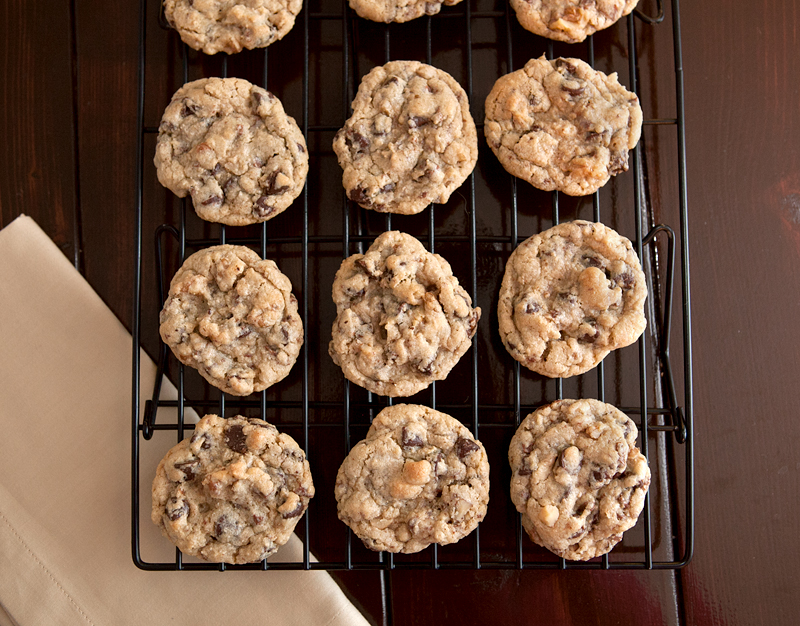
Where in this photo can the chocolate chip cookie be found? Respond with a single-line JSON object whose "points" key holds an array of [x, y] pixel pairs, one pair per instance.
{"points": [[570, 20], [228, 25], [233, 317], [419, 477], [577, 477], [233, 491], [561, 125], [411, 140], [569, 296], [397, 10], [402, 319], [232, 147]]}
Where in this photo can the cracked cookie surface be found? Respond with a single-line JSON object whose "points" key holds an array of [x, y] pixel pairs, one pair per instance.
{"points": [[233, 491], [419, 477], [561, 125], [397, 10], [232, 316], [569, 296], [411, 139], [570, 20], [402, 319], [231, 25], [231, 147], [577, 477]]}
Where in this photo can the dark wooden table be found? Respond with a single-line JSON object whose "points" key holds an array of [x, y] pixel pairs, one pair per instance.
{"points": [[69, 95]]}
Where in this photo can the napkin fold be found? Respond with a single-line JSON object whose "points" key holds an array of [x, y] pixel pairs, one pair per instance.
{"points": [[65, 463]]}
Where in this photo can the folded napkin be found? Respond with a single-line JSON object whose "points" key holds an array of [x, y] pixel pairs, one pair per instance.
{"points": [[65, 459]]}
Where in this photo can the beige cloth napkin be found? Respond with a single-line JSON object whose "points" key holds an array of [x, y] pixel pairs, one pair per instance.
{"points": [[65, 458]]}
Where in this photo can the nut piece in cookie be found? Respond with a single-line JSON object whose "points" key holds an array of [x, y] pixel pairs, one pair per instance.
{"points": [[419, 477], [561, 125], [232, 316], [577, 477], [569, 296], [231, 25], [570, 20], [402, 319], [397, 10], [411, 140], [232, 147], [233, 491]]}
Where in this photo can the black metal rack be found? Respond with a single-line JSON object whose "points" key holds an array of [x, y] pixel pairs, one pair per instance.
{"points": [[659, 398]]}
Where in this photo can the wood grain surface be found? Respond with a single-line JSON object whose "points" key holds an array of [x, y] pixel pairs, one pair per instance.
{"points": [[69, 76]]}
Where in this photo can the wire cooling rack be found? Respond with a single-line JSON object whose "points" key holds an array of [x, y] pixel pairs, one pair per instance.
{"points": [[315, 70]]}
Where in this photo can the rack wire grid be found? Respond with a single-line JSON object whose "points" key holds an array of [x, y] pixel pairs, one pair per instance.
{"points": [[315, 70]]}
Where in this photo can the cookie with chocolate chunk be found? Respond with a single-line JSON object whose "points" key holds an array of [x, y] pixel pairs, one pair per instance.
{"points": [[569, 296], [561, 125], [570, 20], [402, 319], [233, 491], [577, 477], [232, 316], [411, 140], [397, 10], [228, 25], [419, 477], [231, 147]]}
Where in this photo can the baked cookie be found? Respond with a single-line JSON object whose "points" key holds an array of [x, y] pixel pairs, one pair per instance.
{"points": [[233, 317], [402, 319], [397, 10], [561, 125], [411, 140], [569, 296], [230, 25], [419, 477], [232, 492], [577, 477], [570, 20], [232, 147]]}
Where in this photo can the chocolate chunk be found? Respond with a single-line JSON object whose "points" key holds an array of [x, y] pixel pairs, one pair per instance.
{"points": [[176, 509], [573, 91], [206, 443], [411, 440], [624, 280], [464, 446], [357, 140], [189, 468], [359, 196], [262, 208], [235, 439], [417, 121], [296, 512], [618, 163], [271, 189], [565, 65], [591, 261], [212, 200]]}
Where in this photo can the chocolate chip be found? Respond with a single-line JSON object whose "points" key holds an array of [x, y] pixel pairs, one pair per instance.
{"points": [[296, 512], [357, 140], [624, 280], [411, 440], [189, 108], [417, 121], [593, 136], [587, 338], [262, 207], [189, 468], [271, 188], [591, 261], [464, 446], [619, 163], [535, 128], [390, 81], [257, 519], [359, 196], [166, 127], [285, 335], [565, 65], [212, 200], [573, 91], [175, 509], [388, 187], [235, 439], [301, 147], [206, 443], [532, 307], [225, 525], [525, 470]]}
